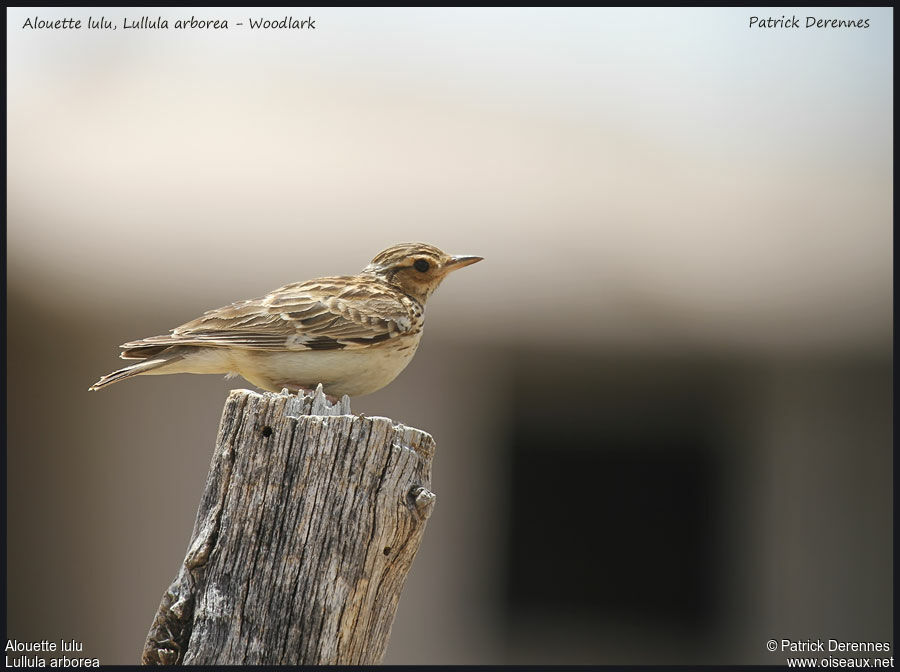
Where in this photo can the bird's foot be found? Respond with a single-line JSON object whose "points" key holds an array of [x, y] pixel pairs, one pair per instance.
{"points": [[307, 391]]}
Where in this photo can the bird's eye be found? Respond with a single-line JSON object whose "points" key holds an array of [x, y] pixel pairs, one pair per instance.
{"points": [[421, 265]]}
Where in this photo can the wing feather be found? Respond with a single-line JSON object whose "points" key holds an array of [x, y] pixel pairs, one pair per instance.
{"points": [[322, 314]]}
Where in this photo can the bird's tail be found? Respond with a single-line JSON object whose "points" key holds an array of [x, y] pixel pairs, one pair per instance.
{"points": [[134, 370]]}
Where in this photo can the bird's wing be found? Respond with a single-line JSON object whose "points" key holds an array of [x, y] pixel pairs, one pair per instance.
{"points": [[324, 314]]}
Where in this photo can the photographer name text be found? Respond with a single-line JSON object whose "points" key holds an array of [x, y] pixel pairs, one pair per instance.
{"points": [[793, 23]]}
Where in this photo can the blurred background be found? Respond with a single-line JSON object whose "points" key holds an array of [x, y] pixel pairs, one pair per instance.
{"points": [[662, 404]]}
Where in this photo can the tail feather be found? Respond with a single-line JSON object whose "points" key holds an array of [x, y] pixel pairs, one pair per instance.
{"points": [[134, 370], [143, 351]]}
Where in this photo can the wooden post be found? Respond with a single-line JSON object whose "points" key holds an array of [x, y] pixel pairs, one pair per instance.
{"points": [[309, 523]]}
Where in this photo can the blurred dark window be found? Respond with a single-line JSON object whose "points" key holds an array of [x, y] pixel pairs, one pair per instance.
{"points": [[614, 493]]}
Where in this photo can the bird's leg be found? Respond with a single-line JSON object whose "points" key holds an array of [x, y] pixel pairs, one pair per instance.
{"points": [[297, 388]]}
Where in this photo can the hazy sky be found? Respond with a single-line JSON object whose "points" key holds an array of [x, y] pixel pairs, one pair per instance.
{"points": [[668, 163]]}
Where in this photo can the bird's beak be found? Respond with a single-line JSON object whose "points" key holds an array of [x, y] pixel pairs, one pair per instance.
{"points": [[459, 261]]}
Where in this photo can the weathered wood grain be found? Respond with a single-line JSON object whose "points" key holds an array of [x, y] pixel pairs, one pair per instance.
{"points": [[309, 523]]}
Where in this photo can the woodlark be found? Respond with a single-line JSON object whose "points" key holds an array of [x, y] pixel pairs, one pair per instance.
{"points": [[354, 334]]}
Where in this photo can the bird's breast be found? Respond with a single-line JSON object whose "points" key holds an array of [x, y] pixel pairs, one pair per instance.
{"points": [[342, 371]]}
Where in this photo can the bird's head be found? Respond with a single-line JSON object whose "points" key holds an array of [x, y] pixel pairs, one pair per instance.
{"points": [[416, 268]]}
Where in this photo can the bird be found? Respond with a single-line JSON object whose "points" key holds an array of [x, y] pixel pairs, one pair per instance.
{"points": [[353, 334]]}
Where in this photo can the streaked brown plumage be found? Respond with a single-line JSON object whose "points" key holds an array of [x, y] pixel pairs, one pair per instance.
{"points": [[353, 334]]}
